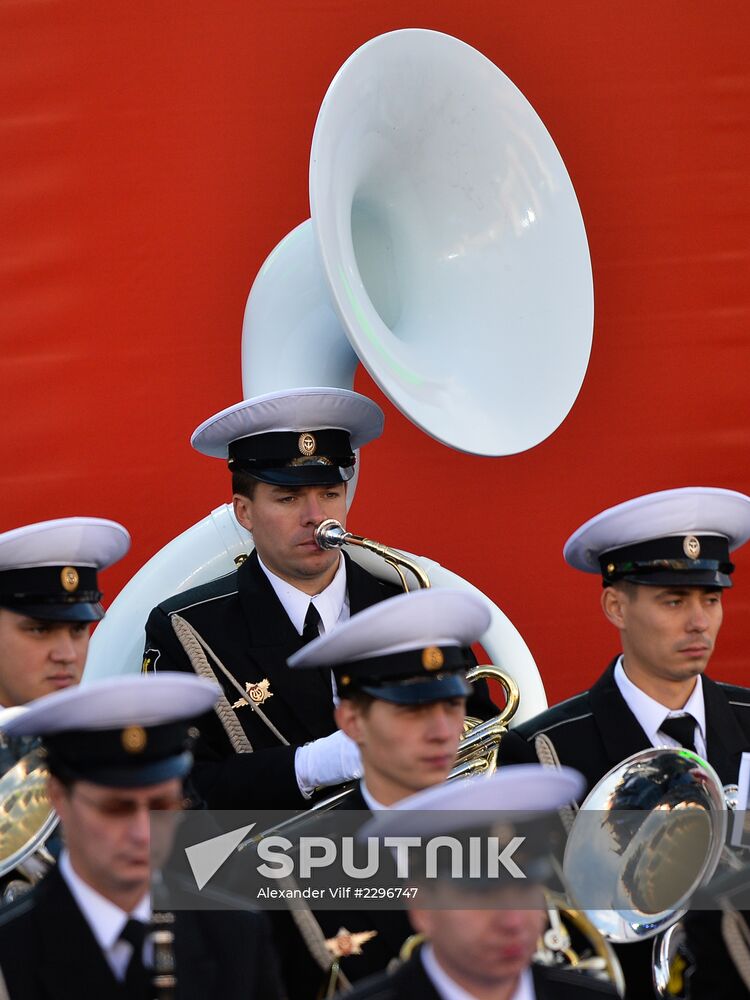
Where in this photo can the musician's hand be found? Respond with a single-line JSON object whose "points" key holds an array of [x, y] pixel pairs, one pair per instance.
{"points": [[330, 760]]}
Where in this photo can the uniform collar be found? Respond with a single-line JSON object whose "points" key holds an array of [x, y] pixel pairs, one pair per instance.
{"points": [[447, 989], [650, 713], [104, 917], [372, 804], [330, 603]]}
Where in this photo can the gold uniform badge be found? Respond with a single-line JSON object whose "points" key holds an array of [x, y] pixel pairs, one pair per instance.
{"points": [[69, 578], [307, 443], [134, 739], [691, 547], [432, 658], [257, 693], [346, 943]]}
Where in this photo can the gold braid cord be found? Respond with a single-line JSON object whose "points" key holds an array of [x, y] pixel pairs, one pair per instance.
{"points": [[737, 939], [192, 640], [227, 717], [313, 936], [547, 755]]}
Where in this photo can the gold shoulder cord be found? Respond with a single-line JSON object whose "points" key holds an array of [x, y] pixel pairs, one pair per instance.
{"points": [[547, 755], [194, 645], [232, 726]]}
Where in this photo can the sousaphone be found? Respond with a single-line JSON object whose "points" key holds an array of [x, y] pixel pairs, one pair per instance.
{"points": [[447, 252]]}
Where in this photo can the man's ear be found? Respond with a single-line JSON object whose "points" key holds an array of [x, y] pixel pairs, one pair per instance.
{"points": [[420, 921], [57, 794], [347, 717], [613, 599], [243, 510]]}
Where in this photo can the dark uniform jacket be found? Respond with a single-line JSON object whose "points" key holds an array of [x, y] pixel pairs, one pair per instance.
{"points": [[301, 974], [411, 982], [596, 730], [246, 626], [48, 952]]}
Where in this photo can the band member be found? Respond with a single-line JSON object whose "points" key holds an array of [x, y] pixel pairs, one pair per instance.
{"points": [[400, 671], [273, 740], [115, 750], [479, 939], [665, 562], [49, 597]]}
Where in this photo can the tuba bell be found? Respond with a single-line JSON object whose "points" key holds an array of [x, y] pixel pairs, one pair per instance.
{"points": [[447, 252]]}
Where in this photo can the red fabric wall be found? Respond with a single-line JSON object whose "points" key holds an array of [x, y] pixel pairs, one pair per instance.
{"points": [[154, 153]]}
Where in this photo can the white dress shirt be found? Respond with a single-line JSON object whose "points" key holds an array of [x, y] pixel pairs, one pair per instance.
{"points": [[448, 989], [650, 713], [332, 604], [372, 804], [105, 919]]}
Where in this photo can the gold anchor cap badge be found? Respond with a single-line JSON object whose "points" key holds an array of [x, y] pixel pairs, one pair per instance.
{"points": [[69, 578], [307, 443], [691, 547]]}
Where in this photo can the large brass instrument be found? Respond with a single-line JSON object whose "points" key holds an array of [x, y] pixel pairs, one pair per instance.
{"points": [[477, 752], [26, 819]]}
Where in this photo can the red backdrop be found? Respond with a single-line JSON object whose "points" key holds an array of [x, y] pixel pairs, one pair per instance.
{"points": [[154, 153]]}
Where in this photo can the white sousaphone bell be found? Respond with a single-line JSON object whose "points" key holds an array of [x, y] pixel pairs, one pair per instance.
{"points": [[446, 251]]}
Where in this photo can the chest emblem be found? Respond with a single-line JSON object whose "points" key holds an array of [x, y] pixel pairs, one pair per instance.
{"points": [[346, 943], [257, 693]]}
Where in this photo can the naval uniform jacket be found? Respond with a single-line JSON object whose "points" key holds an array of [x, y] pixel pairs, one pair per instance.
{"points": [[245, 624], [595, 730], [302, 975], [411, 982], [48, 952]]}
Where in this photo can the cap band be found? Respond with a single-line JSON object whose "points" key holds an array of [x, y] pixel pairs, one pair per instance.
{"points": [[49, 585], [683, 556], [279, 449], [127, 756], [428, 663]]}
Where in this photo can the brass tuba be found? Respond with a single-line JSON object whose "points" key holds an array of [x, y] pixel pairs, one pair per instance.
{"points": [[477, 753]]}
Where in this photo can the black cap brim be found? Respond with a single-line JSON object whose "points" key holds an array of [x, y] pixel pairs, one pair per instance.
{"points": [[420, 691], [76, 611], [304, 475], [683, 578], [127, 776]]}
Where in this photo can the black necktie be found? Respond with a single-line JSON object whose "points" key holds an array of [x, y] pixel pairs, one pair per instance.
{"points": [[310, 632], [682, 729], [312, 620], [137, 980]]}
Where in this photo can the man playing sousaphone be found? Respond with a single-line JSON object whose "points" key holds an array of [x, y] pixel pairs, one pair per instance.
{"points": [[273, 740], [665, 562]]}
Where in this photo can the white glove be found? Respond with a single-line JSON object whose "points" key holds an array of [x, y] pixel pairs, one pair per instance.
{"points": [[330, 760]]}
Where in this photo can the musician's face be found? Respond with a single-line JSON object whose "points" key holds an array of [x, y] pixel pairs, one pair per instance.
{"points": [[283, 519], [39, 657], [484, 950], [107, 833], [404, 748], [668, 633]]}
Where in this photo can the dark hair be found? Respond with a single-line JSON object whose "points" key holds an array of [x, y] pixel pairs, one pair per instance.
{"points": [[360, 699], [243, 483]]}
